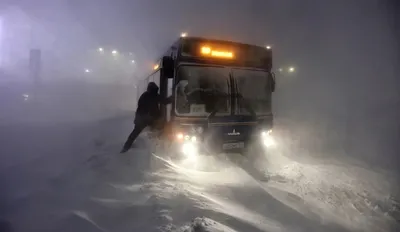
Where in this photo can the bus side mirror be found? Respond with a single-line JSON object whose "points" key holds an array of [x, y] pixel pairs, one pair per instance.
{"points": [[168, 66]]}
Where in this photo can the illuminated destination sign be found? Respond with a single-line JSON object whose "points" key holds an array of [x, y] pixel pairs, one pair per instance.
{"points": [[225, 52], [209, 51]]}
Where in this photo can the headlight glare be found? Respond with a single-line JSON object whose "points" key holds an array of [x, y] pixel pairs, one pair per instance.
{"points": [[189, 149], [267, 138]]}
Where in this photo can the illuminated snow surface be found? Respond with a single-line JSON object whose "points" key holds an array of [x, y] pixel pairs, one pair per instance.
{"points": [[72, 178]]}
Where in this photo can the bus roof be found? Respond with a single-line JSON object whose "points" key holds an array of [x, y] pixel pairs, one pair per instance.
{"points": [[195, 38]]}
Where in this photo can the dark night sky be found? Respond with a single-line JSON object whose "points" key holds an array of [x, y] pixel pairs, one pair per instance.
{"points": [[308, 31], [338, 39], [353, 42]]}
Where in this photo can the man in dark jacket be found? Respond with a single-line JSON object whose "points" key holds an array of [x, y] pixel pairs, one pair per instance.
{"points": [[147, 112]]}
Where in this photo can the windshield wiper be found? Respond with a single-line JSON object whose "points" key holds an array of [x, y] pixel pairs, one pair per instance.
{"points": [[246, 104], [238, 96], [219, 96]]}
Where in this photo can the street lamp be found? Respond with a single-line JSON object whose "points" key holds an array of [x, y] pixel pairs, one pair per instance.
{"points": [[25, 96], [183, 34], [268, 47], [291, 69], [100, 50], [87, 70], [132, 61]]}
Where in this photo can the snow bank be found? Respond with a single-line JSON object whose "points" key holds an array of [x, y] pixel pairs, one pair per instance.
{"points": [[203, 224], [338, 192]]}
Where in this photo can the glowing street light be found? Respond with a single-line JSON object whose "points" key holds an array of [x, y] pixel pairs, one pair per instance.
{"points": [[291, 69], [25, 96], [268, 47], [183, 34], [87, 71], [114, 52], [132, 61], [100, 49]]}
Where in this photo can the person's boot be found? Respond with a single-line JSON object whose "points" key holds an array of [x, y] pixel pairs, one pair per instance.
{"points": [[125, 149]]}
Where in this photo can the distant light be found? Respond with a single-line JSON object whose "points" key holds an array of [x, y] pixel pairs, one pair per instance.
{"points": [[291, 69], [131, 54], [280, 70], [268, 47], [87, 70], [100, 50], [25, 96], [156, 67], [184, 34], [132, 61], [114, 52]]}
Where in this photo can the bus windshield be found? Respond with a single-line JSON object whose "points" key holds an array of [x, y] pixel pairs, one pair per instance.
{"points": [[201, 90], [254, 88]]}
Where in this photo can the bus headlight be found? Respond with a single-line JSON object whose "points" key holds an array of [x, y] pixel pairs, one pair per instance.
{"points": [[185, 137], [189, 149], [267, 138]]}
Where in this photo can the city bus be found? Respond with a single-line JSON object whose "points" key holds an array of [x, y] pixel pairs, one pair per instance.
{"points": [[222, 95]]}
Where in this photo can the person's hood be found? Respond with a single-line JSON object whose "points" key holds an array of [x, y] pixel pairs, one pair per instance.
{"points": [[152, 88]]}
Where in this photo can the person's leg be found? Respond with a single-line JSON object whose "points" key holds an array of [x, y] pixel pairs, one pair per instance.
{"points": [[132, 137]]}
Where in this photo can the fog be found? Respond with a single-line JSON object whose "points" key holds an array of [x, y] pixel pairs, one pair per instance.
{"points": [[342, 101], [345, 54]]}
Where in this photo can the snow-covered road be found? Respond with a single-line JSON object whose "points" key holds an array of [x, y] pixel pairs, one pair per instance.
{"points": [[70, 177]]}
